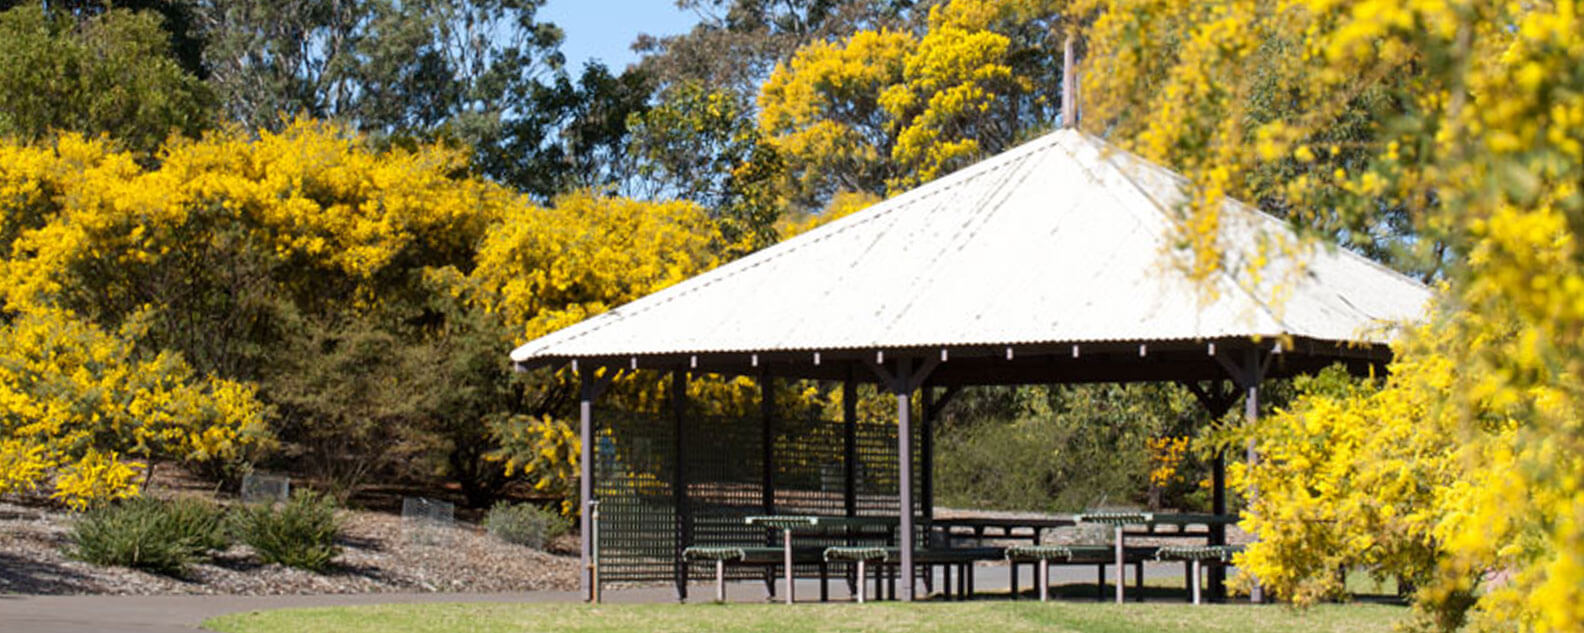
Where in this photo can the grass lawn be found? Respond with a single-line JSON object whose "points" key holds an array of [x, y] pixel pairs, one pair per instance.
{"points": [[996, 616]]}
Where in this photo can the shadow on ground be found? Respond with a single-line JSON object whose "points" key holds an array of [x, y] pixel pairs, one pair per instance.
{"points": [[17, 572]]}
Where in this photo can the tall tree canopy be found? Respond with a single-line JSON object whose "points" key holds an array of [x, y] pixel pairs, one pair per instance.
{"points": [[384, 66], [737, 42], [882, 110], [110, 72], [177, 17]]}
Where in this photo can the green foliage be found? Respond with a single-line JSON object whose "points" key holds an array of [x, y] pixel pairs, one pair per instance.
{"points": [[565, 134], [526, 524], [1055, 448], [111, 73], [300, 533], [197, 521], [345, 396], [737, 42], [386, 66], [485, 75], [159, 536], [461, 385], [701, 144]]}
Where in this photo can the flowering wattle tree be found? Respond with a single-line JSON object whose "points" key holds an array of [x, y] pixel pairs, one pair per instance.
{"points": [[1449, 135]]}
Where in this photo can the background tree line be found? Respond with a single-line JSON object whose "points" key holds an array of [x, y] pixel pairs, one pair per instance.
{"points": [[172, 191]]}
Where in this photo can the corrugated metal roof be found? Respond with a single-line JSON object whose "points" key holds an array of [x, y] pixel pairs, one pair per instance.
{"points": [[1063, 239]]}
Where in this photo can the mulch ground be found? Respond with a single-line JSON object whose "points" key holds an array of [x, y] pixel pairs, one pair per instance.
{"points": [[380, 554]]}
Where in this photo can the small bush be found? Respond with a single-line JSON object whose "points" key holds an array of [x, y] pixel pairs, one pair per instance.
{"points": [[199, 522], [159, 536], [525, 524], [300, 533]]}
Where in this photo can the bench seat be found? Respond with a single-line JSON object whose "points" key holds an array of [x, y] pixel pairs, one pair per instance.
{"points": [[751, 554], [1205, 553]]}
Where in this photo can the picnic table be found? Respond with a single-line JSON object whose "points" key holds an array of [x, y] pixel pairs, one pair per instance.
{"points": [[788, 524], [1158, 525]]}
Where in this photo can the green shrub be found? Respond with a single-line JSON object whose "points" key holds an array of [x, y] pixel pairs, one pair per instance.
{"points": [[159, 536], [198, 521], [1065, 448], [525, 524], [300, 533]]}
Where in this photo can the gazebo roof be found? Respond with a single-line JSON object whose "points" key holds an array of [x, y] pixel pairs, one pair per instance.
{"points": [[1063, 241]]}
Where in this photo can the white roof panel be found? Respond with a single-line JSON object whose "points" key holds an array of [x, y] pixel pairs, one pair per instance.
{"points": [[1063, 239]]}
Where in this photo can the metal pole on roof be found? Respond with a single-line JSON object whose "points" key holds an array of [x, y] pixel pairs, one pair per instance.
{"points": [[1069, 112]]}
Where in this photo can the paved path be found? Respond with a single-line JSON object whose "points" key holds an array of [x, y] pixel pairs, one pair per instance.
{"points": [[183, 614]]}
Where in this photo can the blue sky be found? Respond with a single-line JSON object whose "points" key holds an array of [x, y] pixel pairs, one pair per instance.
{"points": [[604, 29]]}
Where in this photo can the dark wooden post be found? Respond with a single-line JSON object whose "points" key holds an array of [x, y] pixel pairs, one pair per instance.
{"points": [[1217, 401], [927, 455], [850, 443], [767, 439], [1254, 372], [927, 477], [903, 391], [767, 452], [1218, 531], [1247, 376], [684, 514]]}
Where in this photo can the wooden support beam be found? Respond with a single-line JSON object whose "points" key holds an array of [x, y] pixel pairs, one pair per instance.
{"points": [[767, 440], [591, 388], [684, 523], [902, 388], [850, 443], [1217, 400], [905, 378], [927, 456], [1254, 369]]}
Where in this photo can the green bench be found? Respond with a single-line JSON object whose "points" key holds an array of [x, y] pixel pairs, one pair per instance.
{"points": [[1198, 556], [960, 559], [851, 527], [764, 556], [1098, 555]]}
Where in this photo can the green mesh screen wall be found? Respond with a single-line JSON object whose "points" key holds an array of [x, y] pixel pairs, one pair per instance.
{"points": [[645, 523]]}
